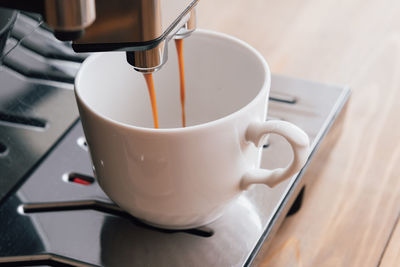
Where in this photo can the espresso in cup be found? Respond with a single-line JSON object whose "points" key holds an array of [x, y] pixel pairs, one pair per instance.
{"points": [[182, 177]]}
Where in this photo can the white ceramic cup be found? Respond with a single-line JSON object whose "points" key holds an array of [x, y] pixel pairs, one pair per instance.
{"points": [[176, 177]]}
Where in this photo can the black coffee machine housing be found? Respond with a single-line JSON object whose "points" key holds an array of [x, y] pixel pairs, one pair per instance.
{"points": [[142, 28]]}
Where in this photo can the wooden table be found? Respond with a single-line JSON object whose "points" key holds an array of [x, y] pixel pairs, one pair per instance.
{"points": [[350, 215]]}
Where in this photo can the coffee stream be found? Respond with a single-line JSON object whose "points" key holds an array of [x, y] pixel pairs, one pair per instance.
{"points": [[152, 93], [150, 86], [179, 50]]}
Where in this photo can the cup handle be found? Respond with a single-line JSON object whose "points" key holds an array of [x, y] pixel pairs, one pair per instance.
{"points": [[297, 138]]}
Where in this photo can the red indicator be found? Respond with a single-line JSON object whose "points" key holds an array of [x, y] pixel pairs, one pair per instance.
{"points": [[80, 179]]}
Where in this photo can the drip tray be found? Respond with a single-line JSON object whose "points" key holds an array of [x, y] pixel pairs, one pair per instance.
{"points": [[61, 217]]}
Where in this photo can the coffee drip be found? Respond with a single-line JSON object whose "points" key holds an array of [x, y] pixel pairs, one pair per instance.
{"points": [[150, 86], [179, 50]]}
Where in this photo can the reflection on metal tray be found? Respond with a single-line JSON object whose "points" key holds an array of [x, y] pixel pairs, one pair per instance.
{"points": [[88, 228], [59, 216]]}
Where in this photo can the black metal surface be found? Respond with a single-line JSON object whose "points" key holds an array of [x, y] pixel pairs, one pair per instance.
{"points": [[295, 195], [297, 203], [30, 6], [42, 41], [33, 117], [55, 227], [28, 243], [3, 149], [33, 65], [68, 35], [34, 114], [79, 222], [7, 19], [107, 208], [45, 259], [22, 120]]}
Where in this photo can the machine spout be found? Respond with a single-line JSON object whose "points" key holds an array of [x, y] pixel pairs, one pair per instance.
{"points": [[152, 59], [189, 26], [148, 60]]}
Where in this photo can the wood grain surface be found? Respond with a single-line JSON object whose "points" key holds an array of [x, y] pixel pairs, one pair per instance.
{"points": [[350, 213]]}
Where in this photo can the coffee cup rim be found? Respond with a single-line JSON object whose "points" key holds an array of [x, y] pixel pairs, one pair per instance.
{"points": [[266, 84]]}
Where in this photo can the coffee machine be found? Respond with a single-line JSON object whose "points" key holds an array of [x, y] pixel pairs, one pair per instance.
{"points": [[52, 210], [142, 28]]}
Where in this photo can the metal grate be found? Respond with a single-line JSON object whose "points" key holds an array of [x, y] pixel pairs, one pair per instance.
{"points": [[65, 218], [35, 107]]}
